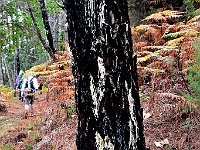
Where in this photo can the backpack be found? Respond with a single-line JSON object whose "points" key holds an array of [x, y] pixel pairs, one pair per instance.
{"points": [[31, 84], [29, 91]]}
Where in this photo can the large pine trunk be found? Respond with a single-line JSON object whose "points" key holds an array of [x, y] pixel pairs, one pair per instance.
{"points": [[108, 106]]}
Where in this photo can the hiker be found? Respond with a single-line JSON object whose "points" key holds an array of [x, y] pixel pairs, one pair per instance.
{"points": [[18, 84], [29, 87]]}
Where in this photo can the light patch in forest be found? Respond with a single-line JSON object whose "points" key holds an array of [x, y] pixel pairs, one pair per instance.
{"points": [[97, 89]]}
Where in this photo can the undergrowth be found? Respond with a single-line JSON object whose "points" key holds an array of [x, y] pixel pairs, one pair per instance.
{"points": [[194, 75], [6, 92], [7, 147], [190, 7]]}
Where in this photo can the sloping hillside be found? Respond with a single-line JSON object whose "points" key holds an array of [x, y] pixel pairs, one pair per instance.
{"points": [[164, 44]]}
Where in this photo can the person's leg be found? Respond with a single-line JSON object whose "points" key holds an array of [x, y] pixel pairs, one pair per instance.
{"points": [[27, 104], [19, 94], [31, 106]]}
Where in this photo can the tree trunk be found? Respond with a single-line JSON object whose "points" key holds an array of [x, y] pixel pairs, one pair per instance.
{"points": [[44, 44], [16, 64], [56, 30], [47, 25], [108, 106], [1, 71], [8, 72]]}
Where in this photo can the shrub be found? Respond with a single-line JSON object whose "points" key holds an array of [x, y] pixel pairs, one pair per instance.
{"points": [[194, 75]]}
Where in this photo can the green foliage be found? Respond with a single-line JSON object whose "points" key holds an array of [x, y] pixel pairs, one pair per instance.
{"points": [[194, 75], [188, 123], [44, 89], [7, 147], [29, 146], [191, 8], [70, 110], [144, 96], [17, 31], [35, 137], [52, 7], [189, 32]]}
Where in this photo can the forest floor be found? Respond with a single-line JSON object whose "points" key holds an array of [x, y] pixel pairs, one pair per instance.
{"points": [[49, 128]]}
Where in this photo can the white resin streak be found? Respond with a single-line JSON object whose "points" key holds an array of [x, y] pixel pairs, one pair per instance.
{"points": [[98, 87], [101, 13], [133, 138]]}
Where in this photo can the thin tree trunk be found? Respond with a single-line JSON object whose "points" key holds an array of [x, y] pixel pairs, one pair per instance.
{"points": [[16, 63], [47, 26], [108, 106], [47, 48], [56, 30], [7, 71], [1, 71]]}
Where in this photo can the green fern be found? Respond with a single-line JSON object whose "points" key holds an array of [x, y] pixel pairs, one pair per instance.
{"points": [[194, 75]]}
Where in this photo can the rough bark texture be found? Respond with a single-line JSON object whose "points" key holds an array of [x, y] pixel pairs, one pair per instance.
{"points": [[108, 106]]}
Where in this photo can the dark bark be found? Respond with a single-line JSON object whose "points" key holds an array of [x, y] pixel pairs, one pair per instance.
{"points": [[108, 106], [46, 47], [1, 71], [16, 63], [47, 26]]}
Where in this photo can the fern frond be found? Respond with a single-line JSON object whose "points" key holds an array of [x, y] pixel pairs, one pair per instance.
{"points": [[144, 59], [164, 16], [155, 18], [156, 48], [175, 42], [151, 70], [189, 33], [194, 19], [142, 28]]}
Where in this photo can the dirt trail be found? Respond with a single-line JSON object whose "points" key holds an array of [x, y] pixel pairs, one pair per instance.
{"points": [[22, 133]]}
